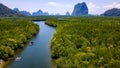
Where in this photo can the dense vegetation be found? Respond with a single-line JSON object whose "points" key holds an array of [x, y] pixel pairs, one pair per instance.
{"points": [[86, 42], [14, 34]]}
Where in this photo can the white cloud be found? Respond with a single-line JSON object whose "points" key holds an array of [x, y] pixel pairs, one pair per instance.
{"points": [[53, 4], [91, 5], [113, 5], [61, 8], [93, 8]]}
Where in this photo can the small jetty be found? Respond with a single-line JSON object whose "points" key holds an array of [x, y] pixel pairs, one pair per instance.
{"points": [[17, 58]]}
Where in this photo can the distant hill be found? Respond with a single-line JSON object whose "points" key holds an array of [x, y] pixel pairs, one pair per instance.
{"points": [[25, 13], [16, 9], [67, 13], [7, 12], [39, 12], [112, 12], [22, 12], [80, 9]]}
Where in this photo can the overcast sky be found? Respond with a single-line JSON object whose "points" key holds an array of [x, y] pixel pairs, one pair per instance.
{"points": [[61, 6]]}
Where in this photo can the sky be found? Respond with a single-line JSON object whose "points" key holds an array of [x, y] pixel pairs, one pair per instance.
{"points": [[61, 6]]}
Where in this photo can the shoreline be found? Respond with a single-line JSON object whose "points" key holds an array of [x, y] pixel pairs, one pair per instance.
{"points": [[54, 64], [4, 64]]}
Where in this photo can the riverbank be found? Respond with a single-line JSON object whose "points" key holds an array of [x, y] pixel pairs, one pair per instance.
{"points": [[40, 48], [86, 42], [4, 64], [1, 63], [14, 35]]}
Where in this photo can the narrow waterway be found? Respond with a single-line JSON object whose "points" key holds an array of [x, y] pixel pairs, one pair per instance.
{"points": [[36, 55]]}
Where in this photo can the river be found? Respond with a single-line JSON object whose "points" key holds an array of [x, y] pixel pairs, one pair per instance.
{"points": [[38, 55]]}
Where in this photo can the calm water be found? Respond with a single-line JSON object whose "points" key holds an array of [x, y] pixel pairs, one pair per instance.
{"points": [[37, 55]]}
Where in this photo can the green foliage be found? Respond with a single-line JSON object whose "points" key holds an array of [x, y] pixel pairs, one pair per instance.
{"points": [[86, 42], [14, 34]]}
